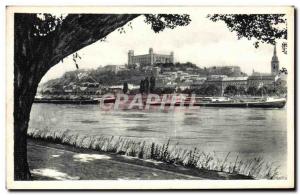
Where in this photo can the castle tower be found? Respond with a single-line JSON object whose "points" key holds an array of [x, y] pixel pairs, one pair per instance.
{"points": [[275, 63], [151, 56], [172, 57], [130, 57]]}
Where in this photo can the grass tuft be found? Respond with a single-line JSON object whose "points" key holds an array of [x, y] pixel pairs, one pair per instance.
{"points": [[255, 168]]}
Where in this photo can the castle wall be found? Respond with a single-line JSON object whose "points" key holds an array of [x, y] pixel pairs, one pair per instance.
{"points": [[149, 59]]}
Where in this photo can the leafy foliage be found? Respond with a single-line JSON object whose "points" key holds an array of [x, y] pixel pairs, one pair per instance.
{"points": [[125, 87], [159, 22], [231, 90], [283, 71], [263, 90], [241, 90], [152, 84], [46, 23], [146, 84], [252, 90], [142, 86], [265, 28]]}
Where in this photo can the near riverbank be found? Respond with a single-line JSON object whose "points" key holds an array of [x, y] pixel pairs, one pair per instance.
{"points": [[52, 161]]}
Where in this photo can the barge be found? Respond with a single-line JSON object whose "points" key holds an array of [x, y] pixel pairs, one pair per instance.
{"points": [[61, 101], [268, 102]]}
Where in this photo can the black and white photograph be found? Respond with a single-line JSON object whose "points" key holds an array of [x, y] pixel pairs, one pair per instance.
{"points": [[178, 97]]}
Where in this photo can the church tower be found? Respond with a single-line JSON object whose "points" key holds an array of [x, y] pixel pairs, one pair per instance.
{"points": [[275, 63]]}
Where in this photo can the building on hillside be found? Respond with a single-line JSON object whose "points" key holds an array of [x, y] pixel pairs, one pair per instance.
{"points": [[114, 68], [199, 81], [111, 68], [69, 89], [224, 70], [115, 89], [52, 91], [217, 81], [223, 81], [215, 77], [149, 59], [235, 81], [90, 85], [254, 73], [118, 88], [261, 80], [245, 82], [266, 79], [156, 71]]}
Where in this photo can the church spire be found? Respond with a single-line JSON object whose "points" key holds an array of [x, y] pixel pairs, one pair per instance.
{"points": [[275, 58], [274, 62]]}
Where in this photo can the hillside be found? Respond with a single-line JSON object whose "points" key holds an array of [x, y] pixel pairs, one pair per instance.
{"points": [[105, 76]]}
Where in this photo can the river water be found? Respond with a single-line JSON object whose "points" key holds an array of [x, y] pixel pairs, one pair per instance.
{"points": [[248, 132]]}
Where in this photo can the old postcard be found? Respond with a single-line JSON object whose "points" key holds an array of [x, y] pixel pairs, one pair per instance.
{"points": [[150, 97]]}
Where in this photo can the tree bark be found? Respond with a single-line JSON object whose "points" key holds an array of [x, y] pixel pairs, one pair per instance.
{"points": [[22, 105], [34, 56]]}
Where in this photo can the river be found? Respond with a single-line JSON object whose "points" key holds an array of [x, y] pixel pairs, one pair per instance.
{"points": [[247, 132]]}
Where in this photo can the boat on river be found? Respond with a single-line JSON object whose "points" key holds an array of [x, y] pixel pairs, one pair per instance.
{"points": [[261, 102], [268, 102], [66, 101]]}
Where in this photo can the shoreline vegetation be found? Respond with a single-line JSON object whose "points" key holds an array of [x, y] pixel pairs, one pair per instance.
{"points": [[255, 168]]}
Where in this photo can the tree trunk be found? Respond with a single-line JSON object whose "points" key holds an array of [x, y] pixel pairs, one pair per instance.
{"points": [[34, 56], [21, 168], [23, 100], [25, 86]]}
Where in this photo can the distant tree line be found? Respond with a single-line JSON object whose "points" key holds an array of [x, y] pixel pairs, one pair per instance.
{"points": [[125, 87], [231, 90], [147, 85]]}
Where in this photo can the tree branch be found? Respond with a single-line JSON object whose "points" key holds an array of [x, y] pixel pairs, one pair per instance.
{"points": [[78, 31]]}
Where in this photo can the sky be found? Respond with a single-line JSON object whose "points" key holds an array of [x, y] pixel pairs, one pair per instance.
{"points": [[202, 42]]}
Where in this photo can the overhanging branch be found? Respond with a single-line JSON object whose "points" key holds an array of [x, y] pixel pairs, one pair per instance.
{"points": [[78, 31]]}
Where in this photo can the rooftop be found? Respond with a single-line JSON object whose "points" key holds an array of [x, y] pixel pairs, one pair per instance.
{"points": [[235, 78]]}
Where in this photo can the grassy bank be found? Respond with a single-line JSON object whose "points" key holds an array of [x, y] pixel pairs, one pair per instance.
{"points": [[255, 168]]}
